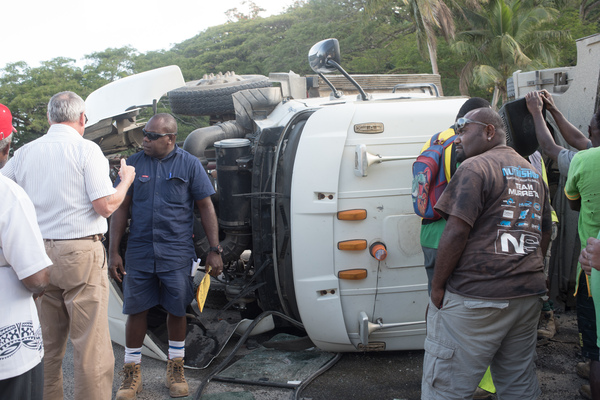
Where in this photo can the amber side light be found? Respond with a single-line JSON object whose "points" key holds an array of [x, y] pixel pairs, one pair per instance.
{"points": [[359, 244], [352, 215], [353, 274]]}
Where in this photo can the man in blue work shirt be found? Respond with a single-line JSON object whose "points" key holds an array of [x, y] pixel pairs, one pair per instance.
{"points": [[160, 247]]}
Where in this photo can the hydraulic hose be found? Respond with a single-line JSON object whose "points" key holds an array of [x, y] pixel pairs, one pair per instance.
{"points": [[240, 342]]}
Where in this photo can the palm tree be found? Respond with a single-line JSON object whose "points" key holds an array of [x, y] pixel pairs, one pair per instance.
{"points": [[504, 37], [427, 16], [586, 7]]}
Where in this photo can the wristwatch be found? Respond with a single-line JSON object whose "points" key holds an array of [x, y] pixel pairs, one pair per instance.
{"points": [[217, 249]]}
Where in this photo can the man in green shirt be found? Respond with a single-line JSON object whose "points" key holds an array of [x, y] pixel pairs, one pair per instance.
{"points": [[583, 192]]}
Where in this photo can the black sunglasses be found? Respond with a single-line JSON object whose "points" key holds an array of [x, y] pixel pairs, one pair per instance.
{"points": [[154, 135], [462, 122]]}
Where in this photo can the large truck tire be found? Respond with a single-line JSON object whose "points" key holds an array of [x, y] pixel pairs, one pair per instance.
{"points": [[249, 103], [212, 94]]}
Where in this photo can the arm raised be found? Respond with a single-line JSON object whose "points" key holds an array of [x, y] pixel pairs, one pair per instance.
{"points": [[572, 135], [105, 206]]}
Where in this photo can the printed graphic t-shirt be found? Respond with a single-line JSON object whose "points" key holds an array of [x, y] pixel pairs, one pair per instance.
{"points": [[505, 201]]}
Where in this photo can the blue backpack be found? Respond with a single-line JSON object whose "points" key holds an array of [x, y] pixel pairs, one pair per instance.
{"points": [[429, 177]]}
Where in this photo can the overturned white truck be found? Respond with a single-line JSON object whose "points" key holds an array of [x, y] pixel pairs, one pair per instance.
{"points": [[306, 187]]}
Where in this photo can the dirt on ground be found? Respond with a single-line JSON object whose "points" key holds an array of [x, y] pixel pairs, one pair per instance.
{"points": [[360, 376], [397, 375], [557, 359]]}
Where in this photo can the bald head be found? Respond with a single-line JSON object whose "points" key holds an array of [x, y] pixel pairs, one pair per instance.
{"points": [[165, 123], [489, 116], [479, 131]]}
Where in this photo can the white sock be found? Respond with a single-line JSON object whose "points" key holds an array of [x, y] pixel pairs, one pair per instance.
{"points": [[133, 355], [176, 349]]}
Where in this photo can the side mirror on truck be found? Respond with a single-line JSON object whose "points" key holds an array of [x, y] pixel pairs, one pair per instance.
{"points": [[325, 57], [321, 53]]}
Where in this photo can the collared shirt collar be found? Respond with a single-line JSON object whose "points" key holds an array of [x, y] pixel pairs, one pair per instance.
{"points": [[62, 129], [168, 156]]}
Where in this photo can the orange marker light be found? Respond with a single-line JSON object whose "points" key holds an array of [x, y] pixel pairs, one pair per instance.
{"points": [[352, 215], [359, 244], [353, 274], [378, 251]]}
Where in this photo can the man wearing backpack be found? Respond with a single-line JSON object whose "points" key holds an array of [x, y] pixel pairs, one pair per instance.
{"points": [[431, 229], [489, 276]]}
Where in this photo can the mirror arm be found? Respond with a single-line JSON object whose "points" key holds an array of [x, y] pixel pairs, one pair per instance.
{"points": [[339, 68], [336, 93]]}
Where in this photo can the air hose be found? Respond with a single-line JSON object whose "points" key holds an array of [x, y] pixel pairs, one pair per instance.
{"points": [[243, 339]]}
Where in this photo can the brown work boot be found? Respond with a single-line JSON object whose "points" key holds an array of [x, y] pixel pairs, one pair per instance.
{"points": [[175, 381], [586, 392], [546, 325], [132, 382], [583, 369]]}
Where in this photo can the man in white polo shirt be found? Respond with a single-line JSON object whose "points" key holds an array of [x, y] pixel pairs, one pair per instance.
{"points": [[67, 179]]}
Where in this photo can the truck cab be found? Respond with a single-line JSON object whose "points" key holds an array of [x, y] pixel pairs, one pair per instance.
{"points": [[313, 196]]}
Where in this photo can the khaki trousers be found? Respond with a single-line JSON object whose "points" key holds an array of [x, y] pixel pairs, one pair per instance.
{"points": [[76, 304], [467, 335]]}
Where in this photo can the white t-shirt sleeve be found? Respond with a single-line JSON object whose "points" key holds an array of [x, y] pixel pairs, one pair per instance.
{"points": [[21, 243]]}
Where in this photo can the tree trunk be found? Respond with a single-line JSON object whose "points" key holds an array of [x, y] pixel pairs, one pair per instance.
{"points": [[433, 57], [495, 98]]}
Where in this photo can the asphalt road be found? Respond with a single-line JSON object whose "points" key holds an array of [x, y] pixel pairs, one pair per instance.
{"points": [[389, 375], [356, 376]]}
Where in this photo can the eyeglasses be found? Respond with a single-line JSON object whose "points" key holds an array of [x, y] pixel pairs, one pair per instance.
{"points": [[461, 122], [154, 135], [86, 119]]}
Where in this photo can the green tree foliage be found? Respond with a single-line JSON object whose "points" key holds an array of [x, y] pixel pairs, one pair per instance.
{"points": [[589, 10], [376, 37], [505, 36], [569, 21], [428, 19], [109, 65], [233, 14], [26, 90]]}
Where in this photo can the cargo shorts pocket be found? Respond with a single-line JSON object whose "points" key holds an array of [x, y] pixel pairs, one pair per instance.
{"points": [[438, 365]]}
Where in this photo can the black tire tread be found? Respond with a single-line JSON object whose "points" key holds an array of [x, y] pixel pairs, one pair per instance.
{"points": [[211, 100]]}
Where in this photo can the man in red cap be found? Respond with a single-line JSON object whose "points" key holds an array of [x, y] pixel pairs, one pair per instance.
{"points": [[23, 273], [6, 131]]}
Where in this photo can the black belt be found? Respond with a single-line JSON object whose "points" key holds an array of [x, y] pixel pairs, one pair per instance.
{"points": [[95, 238]]}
